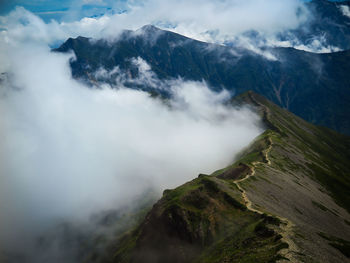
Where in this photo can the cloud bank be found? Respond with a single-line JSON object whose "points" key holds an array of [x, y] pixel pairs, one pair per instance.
{"points": [[69, 151], [221, 22]]}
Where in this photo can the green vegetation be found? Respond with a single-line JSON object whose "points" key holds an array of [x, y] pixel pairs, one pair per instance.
{"points": [[203, 218], [253, 243], [325, 153], [206, 219]]}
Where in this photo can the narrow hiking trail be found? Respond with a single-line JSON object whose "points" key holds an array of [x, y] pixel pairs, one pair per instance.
{"points": [[286, 226], [249, 204]]}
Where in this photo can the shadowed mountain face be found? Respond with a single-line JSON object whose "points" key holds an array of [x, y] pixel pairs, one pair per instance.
{"points": [[329, 21], [313, 86], [284, 200]]}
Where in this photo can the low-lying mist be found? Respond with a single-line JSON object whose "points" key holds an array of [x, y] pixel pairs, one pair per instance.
{"points": [[69, 151]]}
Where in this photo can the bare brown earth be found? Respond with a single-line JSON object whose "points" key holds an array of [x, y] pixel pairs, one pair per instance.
{"points": [[284, 185], [287, 227]]}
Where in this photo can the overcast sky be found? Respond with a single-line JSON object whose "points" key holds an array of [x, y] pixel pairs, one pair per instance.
{"points": [[68, 10]]}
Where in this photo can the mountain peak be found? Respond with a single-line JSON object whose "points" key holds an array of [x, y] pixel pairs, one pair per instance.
{"points": [[149, 29]]}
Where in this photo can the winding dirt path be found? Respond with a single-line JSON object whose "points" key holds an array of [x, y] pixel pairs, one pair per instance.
{"points": [[286, 226]]}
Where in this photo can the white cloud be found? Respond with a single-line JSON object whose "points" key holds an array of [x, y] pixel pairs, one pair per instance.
{"points": [[226, 21], [69, 150], [199, 19], [229, 18], [316, 45], [222, 22], [345, 10]]}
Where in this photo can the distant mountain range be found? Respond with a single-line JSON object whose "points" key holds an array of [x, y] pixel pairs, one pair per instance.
{"points": [[313, 86]]}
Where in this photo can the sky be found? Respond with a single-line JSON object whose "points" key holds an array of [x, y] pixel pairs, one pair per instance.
{"points": [[222, 22], [65, 10], [200, 19], [69, 10]]}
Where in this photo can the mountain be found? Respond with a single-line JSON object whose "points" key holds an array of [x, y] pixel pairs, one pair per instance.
{"points": [[328, 22], [285, 199], [313, 86]]}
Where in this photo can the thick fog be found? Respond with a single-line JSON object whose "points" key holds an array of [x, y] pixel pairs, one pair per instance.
{"points": [[69, 151]]}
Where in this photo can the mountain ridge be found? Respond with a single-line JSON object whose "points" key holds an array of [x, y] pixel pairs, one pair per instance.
{"points": [[271, 205], [313, 86]]}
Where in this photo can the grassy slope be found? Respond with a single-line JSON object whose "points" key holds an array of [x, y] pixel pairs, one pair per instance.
{"points": [[298, 190], [327, 153], [204, 220], [307, 181]]}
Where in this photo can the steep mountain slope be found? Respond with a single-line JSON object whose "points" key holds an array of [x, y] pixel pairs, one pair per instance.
{"points": [[285, 199], [328, 24], [313, 86]]}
